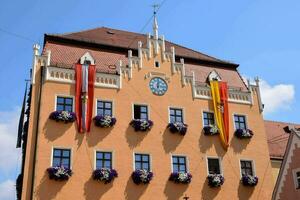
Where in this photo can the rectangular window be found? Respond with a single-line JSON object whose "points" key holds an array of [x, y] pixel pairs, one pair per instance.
{"points": [[179, 164], [176, 115], [246, 167], [208, 118], [104, 108], [103, 160], [240, 122], [140, 112], [61, 157], [298, 180], [64, 104], [213, 166], [142, 161]]}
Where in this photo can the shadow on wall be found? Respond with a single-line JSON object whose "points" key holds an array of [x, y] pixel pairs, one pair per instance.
{"points": [[245, 192], [133, 191], [206, 142], [238, 145], [171, 140], [209, 193], [97, 134], [134, 138], [175, 190], [95, 189], [54, 130], [47, 189]]}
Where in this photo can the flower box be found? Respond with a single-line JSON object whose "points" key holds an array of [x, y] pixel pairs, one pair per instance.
{"points": [[63, 116], [141, 124], [215, 180], [243, 133], [210, 130], [177, 127], [104, 121], [249, 180], [59, 173], [141, 176], [180, 177], [105, 175]]}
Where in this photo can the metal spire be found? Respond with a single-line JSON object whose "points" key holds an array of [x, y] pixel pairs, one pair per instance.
{"points": [[155, 25]]}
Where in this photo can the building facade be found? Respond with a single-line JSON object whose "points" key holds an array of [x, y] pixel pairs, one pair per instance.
{"points": [[287, 186], [141, 77]]}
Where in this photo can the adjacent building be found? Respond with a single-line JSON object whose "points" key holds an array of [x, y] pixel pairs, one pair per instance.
{"points": [[141, 104]]}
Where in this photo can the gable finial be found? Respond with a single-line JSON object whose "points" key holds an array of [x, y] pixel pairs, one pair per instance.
{"points": [[155, 25]]}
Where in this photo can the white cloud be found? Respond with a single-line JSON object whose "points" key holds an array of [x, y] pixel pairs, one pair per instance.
{"points": [[9, 155], [7, 190], [276, 97]]}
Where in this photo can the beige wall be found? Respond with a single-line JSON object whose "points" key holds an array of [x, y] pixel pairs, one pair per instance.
{"points": [[276, 164], [159, 142]]}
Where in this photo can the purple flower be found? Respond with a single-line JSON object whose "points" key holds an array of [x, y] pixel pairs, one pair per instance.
{"points": [[105, 174], [215, 180], [59, 173], [141, 176], [141, 124], [63, 116], [249, 180], [104, 121], [181, 177], [243, 133], [177, 127]]}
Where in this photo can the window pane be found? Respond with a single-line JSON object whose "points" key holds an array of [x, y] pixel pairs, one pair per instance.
{"points": [[242, 119], [178, 112], [206, 122], [107, 105], [175, 159], [60, 100], [138, 165], [57, 152], [59, 107], [137, 157], [181, 160], [69, 101], [107, 156], [143, 109], [182, 168], [99, 164], [242, 126], [145, 166], [298, 174], [65, 162], [56, 162], [143, 116], [107, 112], [66, 153], [236, 118], [68, 108], [172, 119], [205, 115], [175, 168], [100, 104], [100, 112], [145, 157], [107, 164], [179, 119]]}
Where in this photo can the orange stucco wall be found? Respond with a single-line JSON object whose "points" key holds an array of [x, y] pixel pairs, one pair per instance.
{"points": [[159, 143]]}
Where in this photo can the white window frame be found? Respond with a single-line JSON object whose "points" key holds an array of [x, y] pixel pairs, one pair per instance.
{"points": [[176, 107], [145, 153], [246, 120], [252, 163], [297, 187], [105, 151], [107, 100], [140, 104], [63, 148], [67, 96], [208, 111], [220, 164], [187, 164]]}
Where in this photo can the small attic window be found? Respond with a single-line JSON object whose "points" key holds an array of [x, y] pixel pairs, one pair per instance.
{"points": [[157, 64], [87, 62], [110, 32]]}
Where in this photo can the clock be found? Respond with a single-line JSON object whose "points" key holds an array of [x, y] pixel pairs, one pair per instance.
{"points": [[158, 86]]}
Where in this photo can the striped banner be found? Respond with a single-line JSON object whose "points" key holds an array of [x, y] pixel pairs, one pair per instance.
{"points": [[219, 95]]}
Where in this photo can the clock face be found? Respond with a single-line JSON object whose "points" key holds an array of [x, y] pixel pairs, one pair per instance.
{"points": [[158, 86]]}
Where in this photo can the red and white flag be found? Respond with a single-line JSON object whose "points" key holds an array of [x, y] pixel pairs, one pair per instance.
{"points": [[85, 78]]}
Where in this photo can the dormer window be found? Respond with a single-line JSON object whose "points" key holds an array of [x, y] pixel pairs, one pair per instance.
{"points": [[87, 59], [87, 62], [157, 64], [213, 76]]}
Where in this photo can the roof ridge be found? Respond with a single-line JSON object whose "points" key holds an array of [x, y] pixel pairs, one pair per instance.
{"points": [[282, 122]]}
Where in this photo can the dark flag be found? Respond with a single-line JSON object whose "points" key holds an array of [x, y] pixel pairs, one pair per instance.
{"points": [[21, 120]]}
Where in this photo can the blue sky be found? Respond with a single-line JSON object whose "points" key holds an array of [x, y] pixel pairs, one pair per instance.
{"points": [[260, 35]]}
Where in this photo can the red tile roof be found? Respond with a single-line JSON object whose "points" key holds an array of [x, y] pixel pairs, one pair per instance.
{"points": [[277, 137], [129, 40]]}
